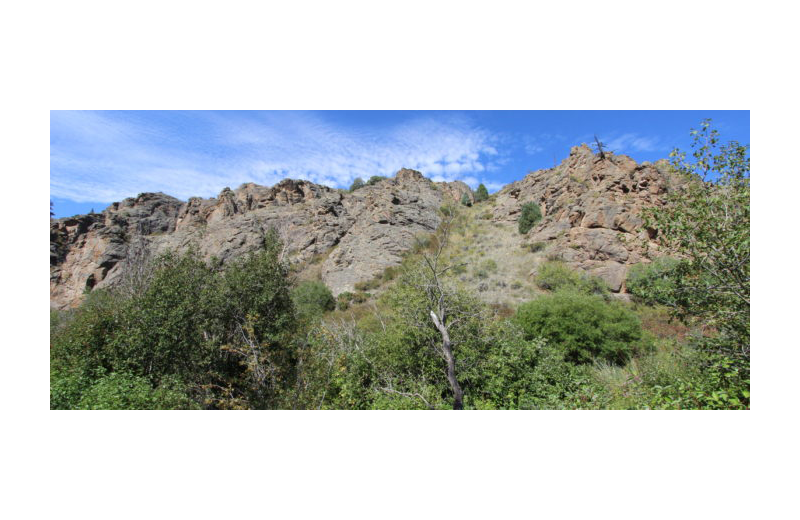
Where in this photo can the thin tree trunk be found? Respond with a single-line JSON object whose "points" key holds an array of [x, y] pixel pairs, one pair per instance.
{"points": [[458, 393]]}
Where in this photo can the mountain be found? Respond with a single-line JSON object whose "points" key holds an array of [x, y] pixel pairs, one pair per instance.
{"points": [[591, 210]]}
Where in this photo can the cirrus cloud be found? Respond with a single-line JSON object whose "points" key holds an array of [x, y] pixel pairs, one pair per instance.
{"points": [[107, 156]]}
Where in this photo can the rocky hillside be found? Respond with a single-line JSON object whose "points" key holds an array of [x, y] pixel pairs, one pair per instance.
{"points": [[359, 234], [591, 210]]}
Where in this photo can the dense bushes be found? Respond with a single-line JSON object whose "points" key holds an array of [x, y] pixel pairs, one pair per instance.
{"points": [[554, 276], [312, 299], [222, 338], [584, 326], [706, 220], [529, 216], [653, 282], [388, 359]]}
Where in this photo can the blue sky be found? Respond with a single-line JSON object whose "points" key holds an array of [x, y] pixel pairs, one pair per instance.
{"points": [[100, 157]]}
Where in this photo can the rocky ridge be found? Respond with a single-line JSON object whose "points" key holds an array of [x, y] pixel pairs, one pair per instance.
{"points": [[361, 233], [591, 208]]}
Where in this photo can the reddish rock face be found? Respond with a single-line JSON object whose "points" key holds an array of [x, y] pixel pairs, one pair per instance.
{"points": [[591, 210]]}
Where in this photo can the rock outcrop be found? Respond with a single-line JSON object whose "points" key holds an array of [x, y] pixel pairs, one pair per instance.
{"points": [[591, 209], [361, 233]]}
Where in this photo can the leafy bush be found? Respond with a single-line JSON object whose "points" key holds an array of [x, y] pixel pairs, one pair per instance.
{"points": [[554, 276], [518, 373], [124, 391], [375, 179], [312, 299], [218, 332], [465, 200], [530, 215], [584, 326], [679, 377], [343, 300], [653, 282], [707, 220]]}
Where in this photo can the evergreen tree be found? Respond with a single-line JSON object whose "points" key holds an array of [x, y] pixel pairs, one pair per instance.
{"points": [[531, 214], [481, 193]]}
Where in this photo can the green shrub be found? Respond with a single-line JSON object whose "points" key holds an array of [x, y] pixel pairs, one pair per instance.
{"points": [[653, 282], [357, 183], [312, 299], [535, 247], [123, 391], [465, 200], [343, 300], [375, 179], [481, 193], [481, 273], [529, 216], [584, 326], [554, 276], [489, 265], [368, 285], [390, 273], [214, 330]]}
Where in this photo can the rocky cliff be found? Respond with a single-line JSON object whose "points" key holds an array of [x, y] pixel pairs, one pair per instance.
{"points": [[591, 208], [360, 233]]}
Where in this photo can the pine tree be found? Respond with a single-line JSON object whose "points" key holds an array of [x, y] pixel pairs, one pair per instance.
{"points": [[481, 193]]}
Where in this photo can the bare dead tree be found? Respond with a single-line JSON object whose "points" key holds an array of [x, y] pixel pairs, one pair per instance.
{"points": [[446, 307], [599, 147], [282, 230], [137, 268]]}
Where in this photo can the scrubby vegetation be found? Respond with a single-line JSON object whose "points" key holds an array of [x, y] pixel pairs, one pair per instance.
{"points": [[529, 216], [190, 334], [555, 276], [358, 183], [376, 179]]}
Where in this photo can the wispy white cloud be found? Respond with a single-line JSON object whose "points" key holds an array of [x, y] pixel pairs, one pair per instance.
{"points": [[632, 142], [537, 144], [105, 157]]}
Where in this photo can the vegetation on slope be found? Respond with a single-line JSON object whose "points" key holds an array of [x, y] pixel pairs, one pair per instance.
{"points": [[195, 335]]}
